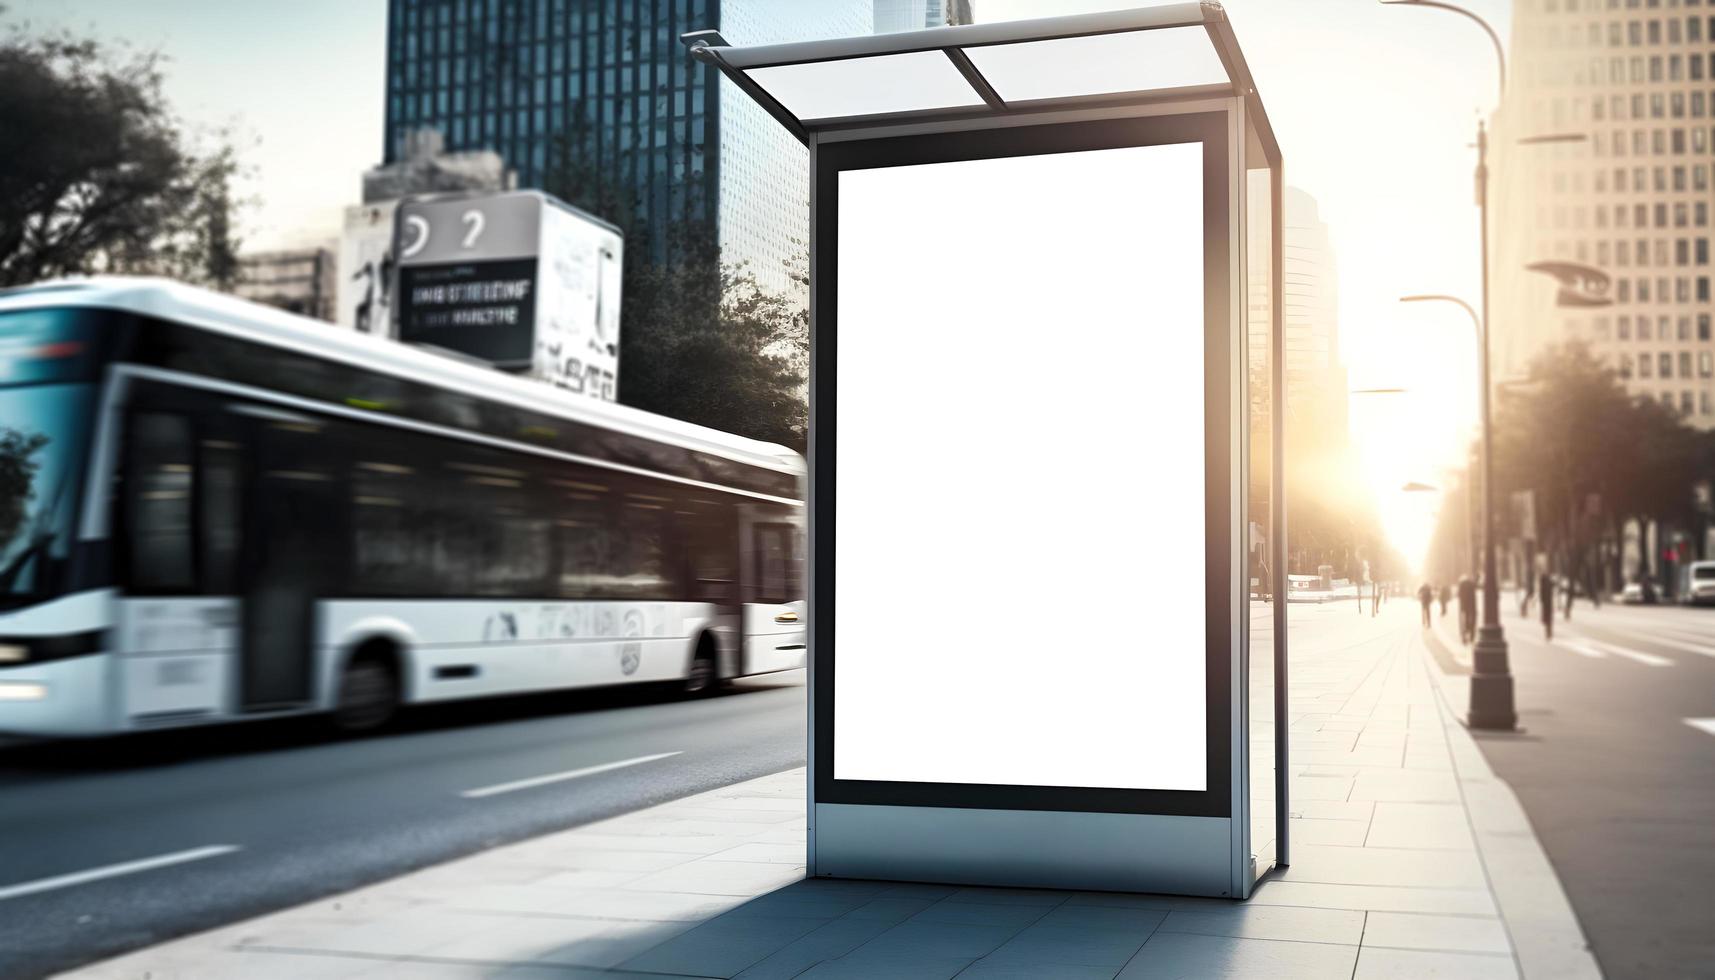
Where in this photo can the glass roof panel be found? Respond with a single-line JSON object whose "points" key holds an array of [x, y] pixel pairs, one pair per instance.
{"points": [[1100, 64], [866, 86]]}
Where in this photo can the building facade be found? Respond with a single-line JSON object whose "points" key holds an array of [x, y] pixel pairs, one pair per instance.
{"points": [[298, 281], [598, 102], [1309, 290], [915, 15], [1624, 209]]}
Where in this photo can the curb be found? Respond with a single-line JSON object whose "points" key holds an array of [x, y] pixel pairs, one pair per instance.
{"points": [[1546, 937]]}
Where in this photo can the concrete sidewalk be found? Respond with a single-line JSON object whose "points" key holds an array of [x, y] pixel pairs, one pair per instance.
{"points": [[1410, 859]]}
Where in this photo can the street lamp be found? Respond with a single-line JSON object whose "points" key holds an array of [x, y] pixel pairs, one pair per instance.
{"points": [[1491, 676]]}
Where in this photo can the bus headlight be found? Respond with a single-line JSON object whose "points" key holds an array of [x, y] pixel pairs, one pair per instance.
{"points": [[22, 691]]}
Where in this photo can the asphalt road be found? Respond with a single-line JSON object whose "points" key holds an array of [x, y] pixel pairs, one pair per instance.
{"points": [[1619, 779], [263, 817]]}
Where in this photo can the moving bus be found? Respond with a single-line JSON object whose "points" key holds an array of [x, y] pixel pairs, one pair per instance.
{"points": [[213, 511]]}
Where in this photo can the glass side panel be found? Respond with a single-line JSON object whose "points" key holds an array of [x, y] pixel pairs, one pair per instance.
{"points": [[1099, 64], [867, 86], [1259, 506]]}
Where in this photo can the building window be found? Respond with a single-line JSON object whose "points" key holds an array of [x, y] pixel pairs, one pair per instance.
{"points": [[1645, 365], [1664, 361]]}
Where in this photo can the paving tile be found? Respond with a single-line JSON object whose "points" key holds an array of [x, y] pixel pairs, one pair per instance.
{"points": [[1450, 933], [1406, 786], [990, 969], [1375, 898], [705, 877], [723, 946], [902, 966], [793, 854], [1340, 926], [938, 939], [1016, 916], [1421, 825], [605, 860], [1048, 945], [825, 942], [1137, 920], [1343, 833], [615, 903], [594, 943], [1170, 954], [1373, 865], [890, 909], [1008, 896], [1126, 900], [1409, 964], [1321, 788], [1332, 809]]}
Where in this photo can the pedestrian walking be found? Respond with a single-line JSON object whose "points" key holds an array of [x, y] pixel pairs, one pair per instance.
{"points": [[1545, 600], [1467, 610], [1375, 599], [1426, 598], [1446, 596]]}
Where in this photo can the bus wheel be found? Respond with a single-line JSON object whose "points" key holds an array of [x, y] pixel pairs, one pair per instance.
{"points": [[368, 694], [703, 676]]}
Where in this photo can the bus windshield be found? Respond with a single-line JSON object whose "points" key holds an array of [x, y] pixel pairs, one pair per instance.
{"points": [[47, 366]]}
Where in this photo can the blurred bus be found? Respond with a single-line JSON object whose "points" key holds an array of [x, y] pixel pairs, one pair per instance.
{"points": [[213, 511]]}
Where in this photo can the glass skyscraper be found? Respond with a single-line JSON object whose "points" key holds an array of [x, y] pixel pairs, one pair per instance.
{"points": [[601, 93]]}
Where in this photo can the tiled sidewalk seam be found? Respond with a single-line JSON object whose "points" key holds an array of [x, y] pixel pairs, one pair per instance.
{"points": [[1545, 933]]}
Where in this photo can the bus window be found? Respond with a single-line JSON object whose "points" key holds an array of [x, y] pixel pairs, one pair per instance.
{"points": [[219, 512], [777, 563], [159, 503]]}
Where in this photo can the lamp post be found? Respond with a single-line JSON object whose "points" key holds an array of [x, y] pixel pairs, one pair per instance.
{"points": [[1491, 675]]}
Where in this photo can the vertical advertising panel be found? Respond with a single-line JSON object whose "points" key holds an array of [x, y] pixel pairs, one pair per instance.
{"points": [[366, 269], [577, 315], [1026, 573], [519, 280]]}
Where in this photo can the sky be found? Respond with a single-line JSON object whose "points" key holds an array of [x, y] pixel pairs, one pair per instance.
{"points": [[1374, 107]]}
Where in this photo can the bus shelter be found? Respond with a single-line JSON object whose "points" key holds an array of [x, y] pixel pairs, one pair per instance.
{"points": [[1047, 552]]}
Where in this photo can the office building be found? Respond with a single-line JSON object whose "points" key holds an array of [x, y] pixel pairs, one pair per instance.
{"points": [[1618, 197], [298, 281], [599, 102], [915, 15], [1309, 292]]}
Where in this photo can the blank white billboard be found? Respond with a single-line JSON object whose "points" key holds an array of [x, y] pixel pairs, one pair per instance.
{"points": [[1019, 452]]}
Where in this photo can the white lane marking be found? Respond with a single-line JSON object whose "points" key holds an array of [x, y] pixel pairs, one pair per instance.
{"points": [[113, 870], [1580, 648], [1706, 725], [560, 777], [1647, 659], [1698, 648]]}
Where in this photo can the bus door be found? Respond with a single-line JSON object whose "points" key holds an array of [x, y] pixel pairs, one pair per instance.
{"points": [[178, 618], [774, 608], [295, 530]]}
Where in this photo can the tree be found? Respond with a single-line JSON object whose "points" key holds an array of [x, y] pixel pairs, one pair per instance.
{"points": [[700, 338], [96, 175], [1594, 458]]}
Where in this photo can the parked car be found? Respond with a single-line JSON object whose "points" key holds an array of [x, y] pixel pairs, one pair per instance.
{"points": [[1633, 594], [1699, 583]]}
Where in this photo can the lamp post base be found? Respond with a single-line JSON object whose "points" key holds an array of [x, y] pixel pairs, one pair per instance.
{"points": [[1491, 684]]}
